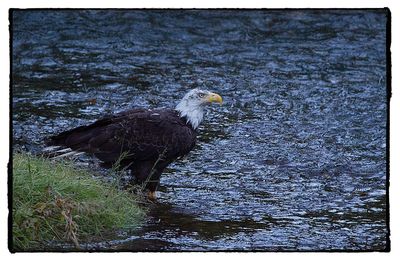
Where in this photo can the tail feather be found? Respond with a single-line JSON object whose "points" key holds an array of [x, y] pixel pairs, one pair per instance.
{"points": [[51, 149], [79, 140], [70, 143], [68, 154], [66, 150]]}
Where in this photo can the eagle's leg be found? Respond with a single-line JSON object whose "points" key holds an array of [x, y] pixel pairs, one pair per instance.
{"points": [[146, 178], [152, 186], [152, 195]]}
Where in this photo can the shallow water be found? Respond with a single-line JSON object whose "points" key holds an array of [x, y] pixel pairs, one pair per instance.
{"points": [[295, 158]]}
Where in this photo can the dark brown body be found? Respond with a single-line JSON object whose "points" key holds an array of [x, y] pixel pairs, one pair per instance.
{"points": [[146, 139]]}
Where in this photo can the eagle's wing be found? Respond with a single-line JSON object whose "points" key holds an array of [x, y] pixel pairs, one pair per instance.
{"points": [[140, 134]]}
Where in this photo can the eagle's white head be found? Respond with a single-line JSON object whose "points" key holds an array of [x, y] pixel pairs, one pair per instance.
{"points": [[193, 103]]}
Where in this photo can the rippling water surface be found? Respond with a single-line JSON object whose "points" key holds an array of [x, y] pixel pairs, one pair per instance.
{"points": [[295, 159]]}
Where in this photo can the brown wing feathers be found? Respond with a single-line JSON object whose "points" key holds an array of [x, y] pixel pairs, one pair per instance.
{"points": [[142, 133]]}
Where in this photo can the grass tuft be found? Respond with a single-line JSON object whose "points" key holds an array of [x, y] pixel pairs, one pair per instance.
{"points": [[54, 201]]}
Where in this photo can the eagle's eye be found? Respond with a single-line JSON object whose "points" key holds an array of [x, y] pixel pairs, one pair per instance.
{"points": [[202, 95]]}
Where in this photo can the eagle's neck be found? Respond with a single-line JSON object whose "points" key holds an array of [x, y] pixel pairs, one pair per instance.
{"points": [[191, 112]]}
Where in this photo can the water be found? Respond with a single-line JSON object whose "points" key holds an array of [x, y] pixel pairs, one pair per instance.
{"points": [[295, 159]]}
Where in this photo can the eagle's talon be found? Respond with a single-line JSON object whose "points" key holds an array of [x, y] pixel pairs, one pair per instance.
{"points": [[152, 196]]}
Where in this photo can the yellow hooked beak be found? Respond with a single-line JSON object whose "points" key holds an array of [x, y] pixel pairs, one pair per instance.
{"points": [[213, 97]]}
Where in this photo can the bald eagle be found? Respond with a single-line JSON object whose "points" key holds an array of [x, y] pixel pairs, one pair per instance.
{"points": [[144, 141]]}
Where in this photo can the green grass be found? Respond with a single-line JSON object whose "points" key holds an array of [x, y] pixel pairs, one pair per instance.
{"points": [[54, 201]]}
